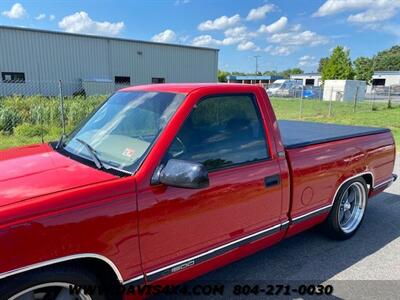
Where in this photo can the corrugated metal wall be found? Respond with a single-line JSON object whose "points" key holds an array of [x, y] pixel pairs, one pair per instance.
{"points": [[48, 56]]}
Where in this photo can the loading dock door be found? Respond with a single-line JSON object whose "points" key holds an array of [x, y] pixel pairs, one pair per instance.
{"points": [[379, 81], [310, 81]]}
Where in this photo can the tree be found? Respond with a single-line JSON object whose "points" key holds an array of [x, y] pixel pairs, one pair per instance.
{"points": [[388, 60], [322, 61], [239, 73], [288, 72], [271, 73], [363, 69], [285, 73], [222, 76], [338, 65]]}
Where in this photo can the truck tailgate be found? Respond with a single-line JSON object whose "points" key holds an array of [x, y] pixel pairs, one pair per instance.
{"points": [[297, 134]]}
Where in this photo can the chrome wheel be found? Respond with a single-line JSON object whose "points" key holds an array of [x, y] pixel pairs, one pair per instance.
{"points": [[352, 207], [51, 291]]}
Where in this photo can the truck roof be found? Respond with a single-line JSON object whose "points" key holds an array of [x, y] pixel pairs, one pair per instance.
{"points": [[186, 88]]}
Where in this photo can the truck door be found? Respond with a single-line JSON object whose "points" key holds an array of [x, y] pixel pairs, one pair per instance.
{"points": [[181, 227]]}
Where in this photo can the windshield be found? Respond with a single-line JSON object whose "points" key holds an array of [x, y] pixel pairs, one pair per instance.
{"points": [[275, 85], [123, 129]]}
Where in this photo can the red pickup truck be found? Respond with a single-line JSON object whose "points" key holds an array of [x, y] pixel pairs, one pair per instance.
{"points": [[166, 182]]}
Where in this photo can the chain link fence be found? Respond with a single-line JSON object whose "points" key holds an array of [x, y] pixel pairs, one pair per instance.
{"points": [[314, 101], [34, 112]]}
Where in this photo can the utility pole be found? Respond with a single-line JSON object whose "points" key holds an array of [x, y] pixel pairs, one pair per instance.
{"points": [[256, 57]]}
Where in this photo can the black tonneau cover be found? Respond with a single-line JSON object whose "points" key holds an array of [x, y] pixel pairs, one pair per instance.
{"points": [[297, 134]]}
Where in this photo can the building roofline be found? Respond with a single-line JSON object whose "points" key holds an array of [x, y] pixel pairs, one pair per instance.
{"points": [[103, 37], [307, 74], [253, 77], [387, 72]]}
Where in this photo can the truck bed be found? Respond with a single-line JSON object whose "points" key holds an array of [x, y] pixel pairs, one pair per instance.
{"points": [[296, 134]]}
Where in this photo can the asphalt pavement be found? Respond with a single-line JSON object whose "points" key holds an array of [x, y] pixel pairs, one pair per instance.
{"points": [[367, 266]]}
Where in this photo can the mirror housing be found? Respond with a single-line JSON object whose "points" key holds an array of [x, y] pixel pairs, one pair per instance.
{"points": [[184, 174]]}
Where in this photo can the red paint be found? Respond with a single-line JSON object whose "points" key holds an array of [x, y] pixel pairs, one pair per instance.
{"points": [[52, 206]]}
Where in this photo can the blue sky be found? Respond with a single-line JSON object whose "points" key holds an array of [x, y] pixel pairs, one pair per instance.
{"points": [[285, 34]]}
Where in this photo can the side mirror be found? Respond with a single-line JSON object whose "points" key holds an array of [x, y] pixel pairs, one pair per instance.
{"points": [[184, 174]]}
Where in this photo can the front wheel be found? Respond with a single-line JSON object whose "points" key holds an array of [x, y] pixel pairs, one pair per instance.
{"points": [[53, 284], [348, 210]]}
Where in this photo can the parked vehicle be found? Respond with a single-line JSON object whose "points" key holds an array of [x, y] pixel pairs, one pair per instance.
{"points": [[166, 182], [285, 88], [393, 90], [311, 92]]}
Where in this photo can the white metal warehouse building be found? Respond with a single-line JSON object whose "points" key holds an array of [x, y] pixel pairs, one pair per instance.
{"points": [[38, 59], [386, 78]]}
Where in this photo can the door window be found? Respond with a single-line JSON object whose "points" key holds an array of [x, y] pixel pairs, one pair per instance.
{"points": [[222, 131]]}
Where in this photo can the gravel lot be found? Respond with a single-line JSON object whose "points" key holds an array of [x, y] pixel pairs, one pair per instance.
{"points": [[365, 267]]}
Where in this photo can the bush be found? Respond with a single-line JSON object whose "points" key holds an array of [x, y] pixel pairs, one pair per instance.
{"points": [[9, 119], [27, 130], [39, 110]]}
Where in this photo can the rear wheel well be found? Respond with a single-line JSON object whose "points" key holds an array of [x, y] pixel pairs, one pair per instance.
{"points": [[369, 180]]}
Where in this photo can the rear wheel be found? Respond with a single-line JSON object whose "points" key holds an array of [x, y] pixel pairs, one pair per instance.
{"points": [[348, 210]]}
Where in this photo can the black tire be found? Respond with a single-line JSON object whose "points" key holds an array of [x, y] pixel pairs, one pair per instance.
{"points": [[12, 286], [332, 226]]}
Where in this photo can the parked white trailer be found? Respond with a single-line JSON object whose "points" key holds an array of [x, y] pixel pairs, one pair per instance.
{"points": [[344, 90]]}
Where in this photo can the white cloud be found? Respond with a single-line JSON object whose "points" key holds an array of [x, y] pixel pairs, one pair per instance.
{"points": [[275, 27], [372, 16], [236, 31], [393, 29], [246, 46], [40, 17], [279, 50], [232, 36], [231, 41], [80, 22], [236, 35], [290, 41], [179, 2], [182, 39], [17, 11], [372, 10], [308, 38], [331, 7], [307, 61], [52, 17], [296, 27], [206, 41], [260, 12], [167, 36], [219, 23]]}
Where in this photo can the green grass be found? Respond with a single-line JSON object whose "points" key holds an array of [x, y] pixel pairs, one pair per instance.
{"points": [[341, 113], [14, 141], [313, 110]]}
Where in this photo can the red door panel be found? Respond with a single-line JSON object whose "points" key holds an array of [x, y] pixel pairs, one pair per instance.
{"points": [[179, 223]]}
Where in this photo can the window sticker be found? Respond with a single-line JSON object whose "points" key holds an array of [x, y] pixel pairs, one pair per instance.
{"points": [[128, 152]]}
